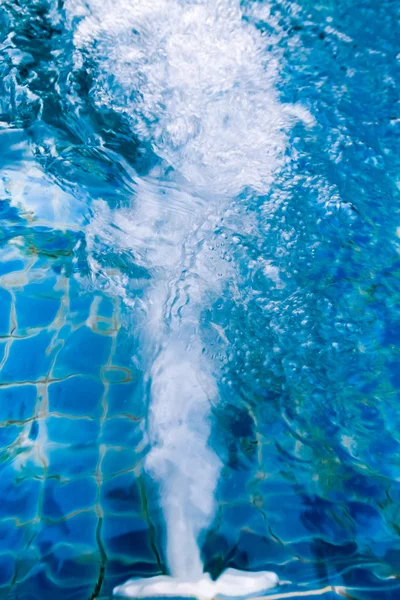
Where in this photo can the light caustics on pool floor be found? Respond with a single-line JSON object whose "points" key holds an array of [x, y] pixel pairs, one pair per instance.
{"points": [[199, 333]]}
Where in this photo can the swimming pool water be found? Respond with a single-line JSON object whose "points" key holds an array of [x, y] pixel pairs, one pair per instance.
{"points": [[260, 215]]}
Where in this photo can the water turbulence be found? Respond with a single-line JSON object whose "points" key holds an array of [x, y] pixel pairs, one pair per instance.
{"points": [[199, 291], [195, 83]]}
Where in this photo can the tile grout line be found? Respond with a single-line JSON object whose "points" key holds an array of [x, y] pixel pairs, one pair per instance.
{"points": [[99, 473]]}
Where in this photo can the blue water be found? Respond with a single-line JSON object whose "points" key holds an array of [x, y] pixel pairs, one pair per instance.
{"points": [[199, 191]]}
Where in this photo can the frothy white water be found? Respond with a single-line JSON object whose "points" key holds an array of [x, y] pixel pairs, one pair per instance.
{"points": [[195, 83], [186, 469], [182, 382], [232, 583]]}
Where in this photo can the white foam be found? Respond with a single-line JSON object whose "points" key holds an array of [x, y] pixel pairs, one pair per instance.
{"points": [[195, 83], [180, 460], [231, 583]]}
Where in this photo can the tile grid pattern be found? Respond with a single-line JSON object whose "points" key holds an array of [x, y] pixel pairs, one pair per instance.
{"points": [[73, 453]]}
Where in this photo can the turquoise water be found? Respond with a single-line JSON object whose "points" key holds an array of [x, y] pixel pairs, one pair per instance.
{"points": [[199, 192]]}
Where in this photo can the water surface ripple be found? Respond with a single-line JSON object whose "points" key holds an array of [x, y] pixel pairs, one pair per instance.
{"points": [[199, 289]]}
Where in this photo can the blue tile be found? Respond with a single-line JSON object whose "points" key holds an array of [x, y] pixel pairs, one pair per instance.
{"points": [[73, 461], [84, 352], [27, 559], [11, 266], [116, 461], [39, 585], [17, 403], [7, 569], [37, 305], [106, 307], [28, 359], [126, 348], [5, 311], [120, 494], [69, 565], [120, 431], [71, 431], [8, 434], [260, 549], [19, 498], [243, 514], [76, 396], [127, 536], [11, 538], [79, 529], [124, 398], [61, 499], [80, 304]]}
